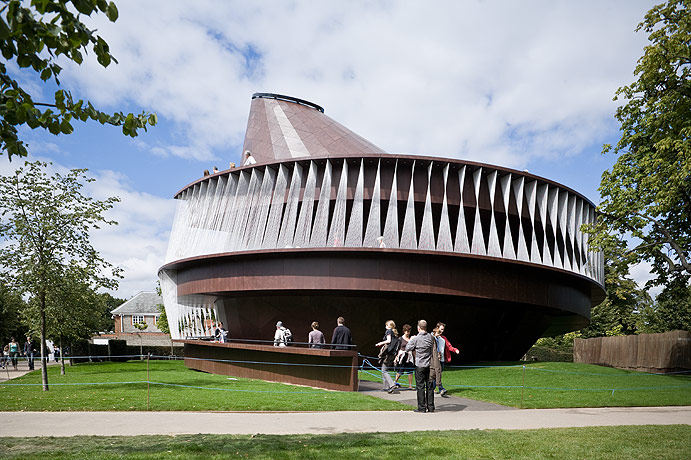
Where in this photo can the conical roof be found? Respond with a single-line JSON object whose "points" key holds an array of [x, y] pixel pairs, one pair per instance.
{"points": [[282, 127]]}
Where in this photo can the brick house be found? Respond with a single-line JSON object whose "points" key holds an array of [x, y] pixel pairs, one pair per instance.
{"points": [[142, 308]]}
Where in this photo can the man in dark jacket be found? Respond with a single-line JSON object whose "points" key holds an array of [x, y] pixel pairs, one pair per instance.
{"points": [[29, 352], [341, 336]]}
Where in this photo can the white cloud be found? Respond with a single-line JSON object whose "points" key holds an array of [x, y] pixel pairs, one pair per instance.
{"points": [[139, 242], [504, 82]]}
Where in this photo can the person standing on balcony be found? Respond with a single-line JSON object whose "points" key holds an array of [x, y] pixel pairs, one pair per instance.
{"points": [[315, 337], [341, 336]]}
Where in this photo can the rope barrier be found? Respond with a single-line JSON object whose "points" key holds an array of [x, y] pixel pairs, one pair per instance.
{"points": [[317, 391], [363, 368], [366, 359], [636, 374], [216, 360], [71, 384], [237, 389]]}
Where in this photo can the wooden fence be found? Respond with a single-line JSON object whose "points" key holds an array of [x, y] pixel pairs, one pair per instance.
{"points": [[665, 352]]}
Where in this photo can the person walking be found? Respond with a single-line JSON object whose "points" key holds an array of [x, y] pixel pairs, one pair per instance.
{"points": [[29, 352], [404, 361], [280, 339], [422, 344], [341, 336], [221, 333], [315, 338], [5, 356], [435, 363], [14, 352], [445, 349], [389, 348]]}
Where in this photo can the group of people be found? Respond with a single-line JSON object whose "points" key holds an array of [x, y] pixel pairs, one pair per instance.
{"points": [[341, 339], [424, 354], [12, 351]]}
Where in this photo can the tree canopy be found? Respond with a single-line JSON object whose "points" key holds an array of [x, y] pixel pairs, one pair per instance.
{"points": [[45, 222], [646, 196], [11, 305], [36, 36], [619, 313]]}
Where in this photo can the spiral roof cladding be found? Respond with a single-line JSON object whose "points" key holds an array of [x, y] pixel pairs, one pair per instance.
{"points": [[282, 127], [324, 210]]}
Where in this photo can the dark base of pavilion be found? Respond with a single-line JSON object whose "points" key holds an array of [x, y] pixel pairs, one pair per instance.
{"points": [[482, 330], [320, 368], [493, 310]]}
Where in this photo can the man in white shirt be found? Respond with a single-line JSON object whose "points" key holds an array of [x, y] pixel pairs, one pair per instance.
{"points": [[249, 159], [280, 335]]}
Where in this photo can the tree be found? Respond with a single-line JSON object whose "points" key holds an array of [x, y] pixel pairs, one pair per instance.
{"points": [[108, 304], [141, 327], [74, 308], [672, 308], [35, 35], [162, 322], [647, 193], [45, 226], [11, 304], [618, 314]]}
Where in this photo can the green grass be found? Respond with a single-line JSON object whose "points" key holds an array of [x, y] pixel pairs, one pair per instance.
{"points": [[217, 392], [624, 442], [579, 385]]}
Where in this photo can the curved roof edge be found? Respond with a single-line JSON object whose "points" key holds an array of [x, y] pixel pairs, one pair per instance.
{"points": [[282, 97]]}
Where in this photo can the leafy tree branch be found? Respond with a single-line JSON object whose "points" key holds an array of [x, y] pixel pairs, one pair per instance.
{"points": [[35, 35]]}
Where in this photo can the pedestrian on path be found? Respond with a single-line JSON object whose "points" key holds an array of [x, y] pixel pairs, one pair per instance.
{"points": [[389, 348], [435, 363], [445, 349], [29, 352], [422, 344], [5, 356], [404, 362], [14, 352]]}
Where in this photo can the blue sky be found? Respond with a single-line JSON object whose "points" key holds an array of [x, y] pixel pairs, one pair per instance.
{"points": [[527, 85]]}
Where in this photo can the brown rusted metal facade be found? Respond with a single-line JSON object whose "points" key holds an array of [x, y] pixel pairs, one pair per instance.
{"points": [[321, 223], [321, 368]]}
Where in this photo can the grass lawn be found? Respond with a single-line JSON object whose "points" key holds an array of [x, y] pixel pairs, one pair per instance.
{"points": [[625, 442], [212, 392], [122, 387], [564, 385]]}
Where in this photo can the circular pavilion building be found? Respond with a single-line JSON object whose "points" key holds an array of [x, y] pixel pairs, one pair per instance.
{"points": [[321, 223]]}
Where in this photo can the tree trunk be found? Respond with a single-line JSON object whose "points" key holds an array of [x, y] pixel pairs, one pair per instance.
{"points": [[141, 347], [62, 358], [44, 355]]}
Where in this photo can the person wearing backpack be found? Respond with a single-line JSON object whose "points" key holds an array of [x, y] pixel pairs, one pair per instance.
{"points": [[283, 336], [387, 354]]}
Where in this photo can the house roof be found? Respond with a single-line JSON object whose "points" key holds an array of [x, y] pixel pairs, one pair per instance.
{"points": [[143, 302]]}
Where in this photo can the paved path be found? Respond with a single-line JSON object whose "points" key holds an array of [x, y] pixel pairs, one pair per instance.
{"points": [[167, 423], [446, 404], [8, 373]]}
